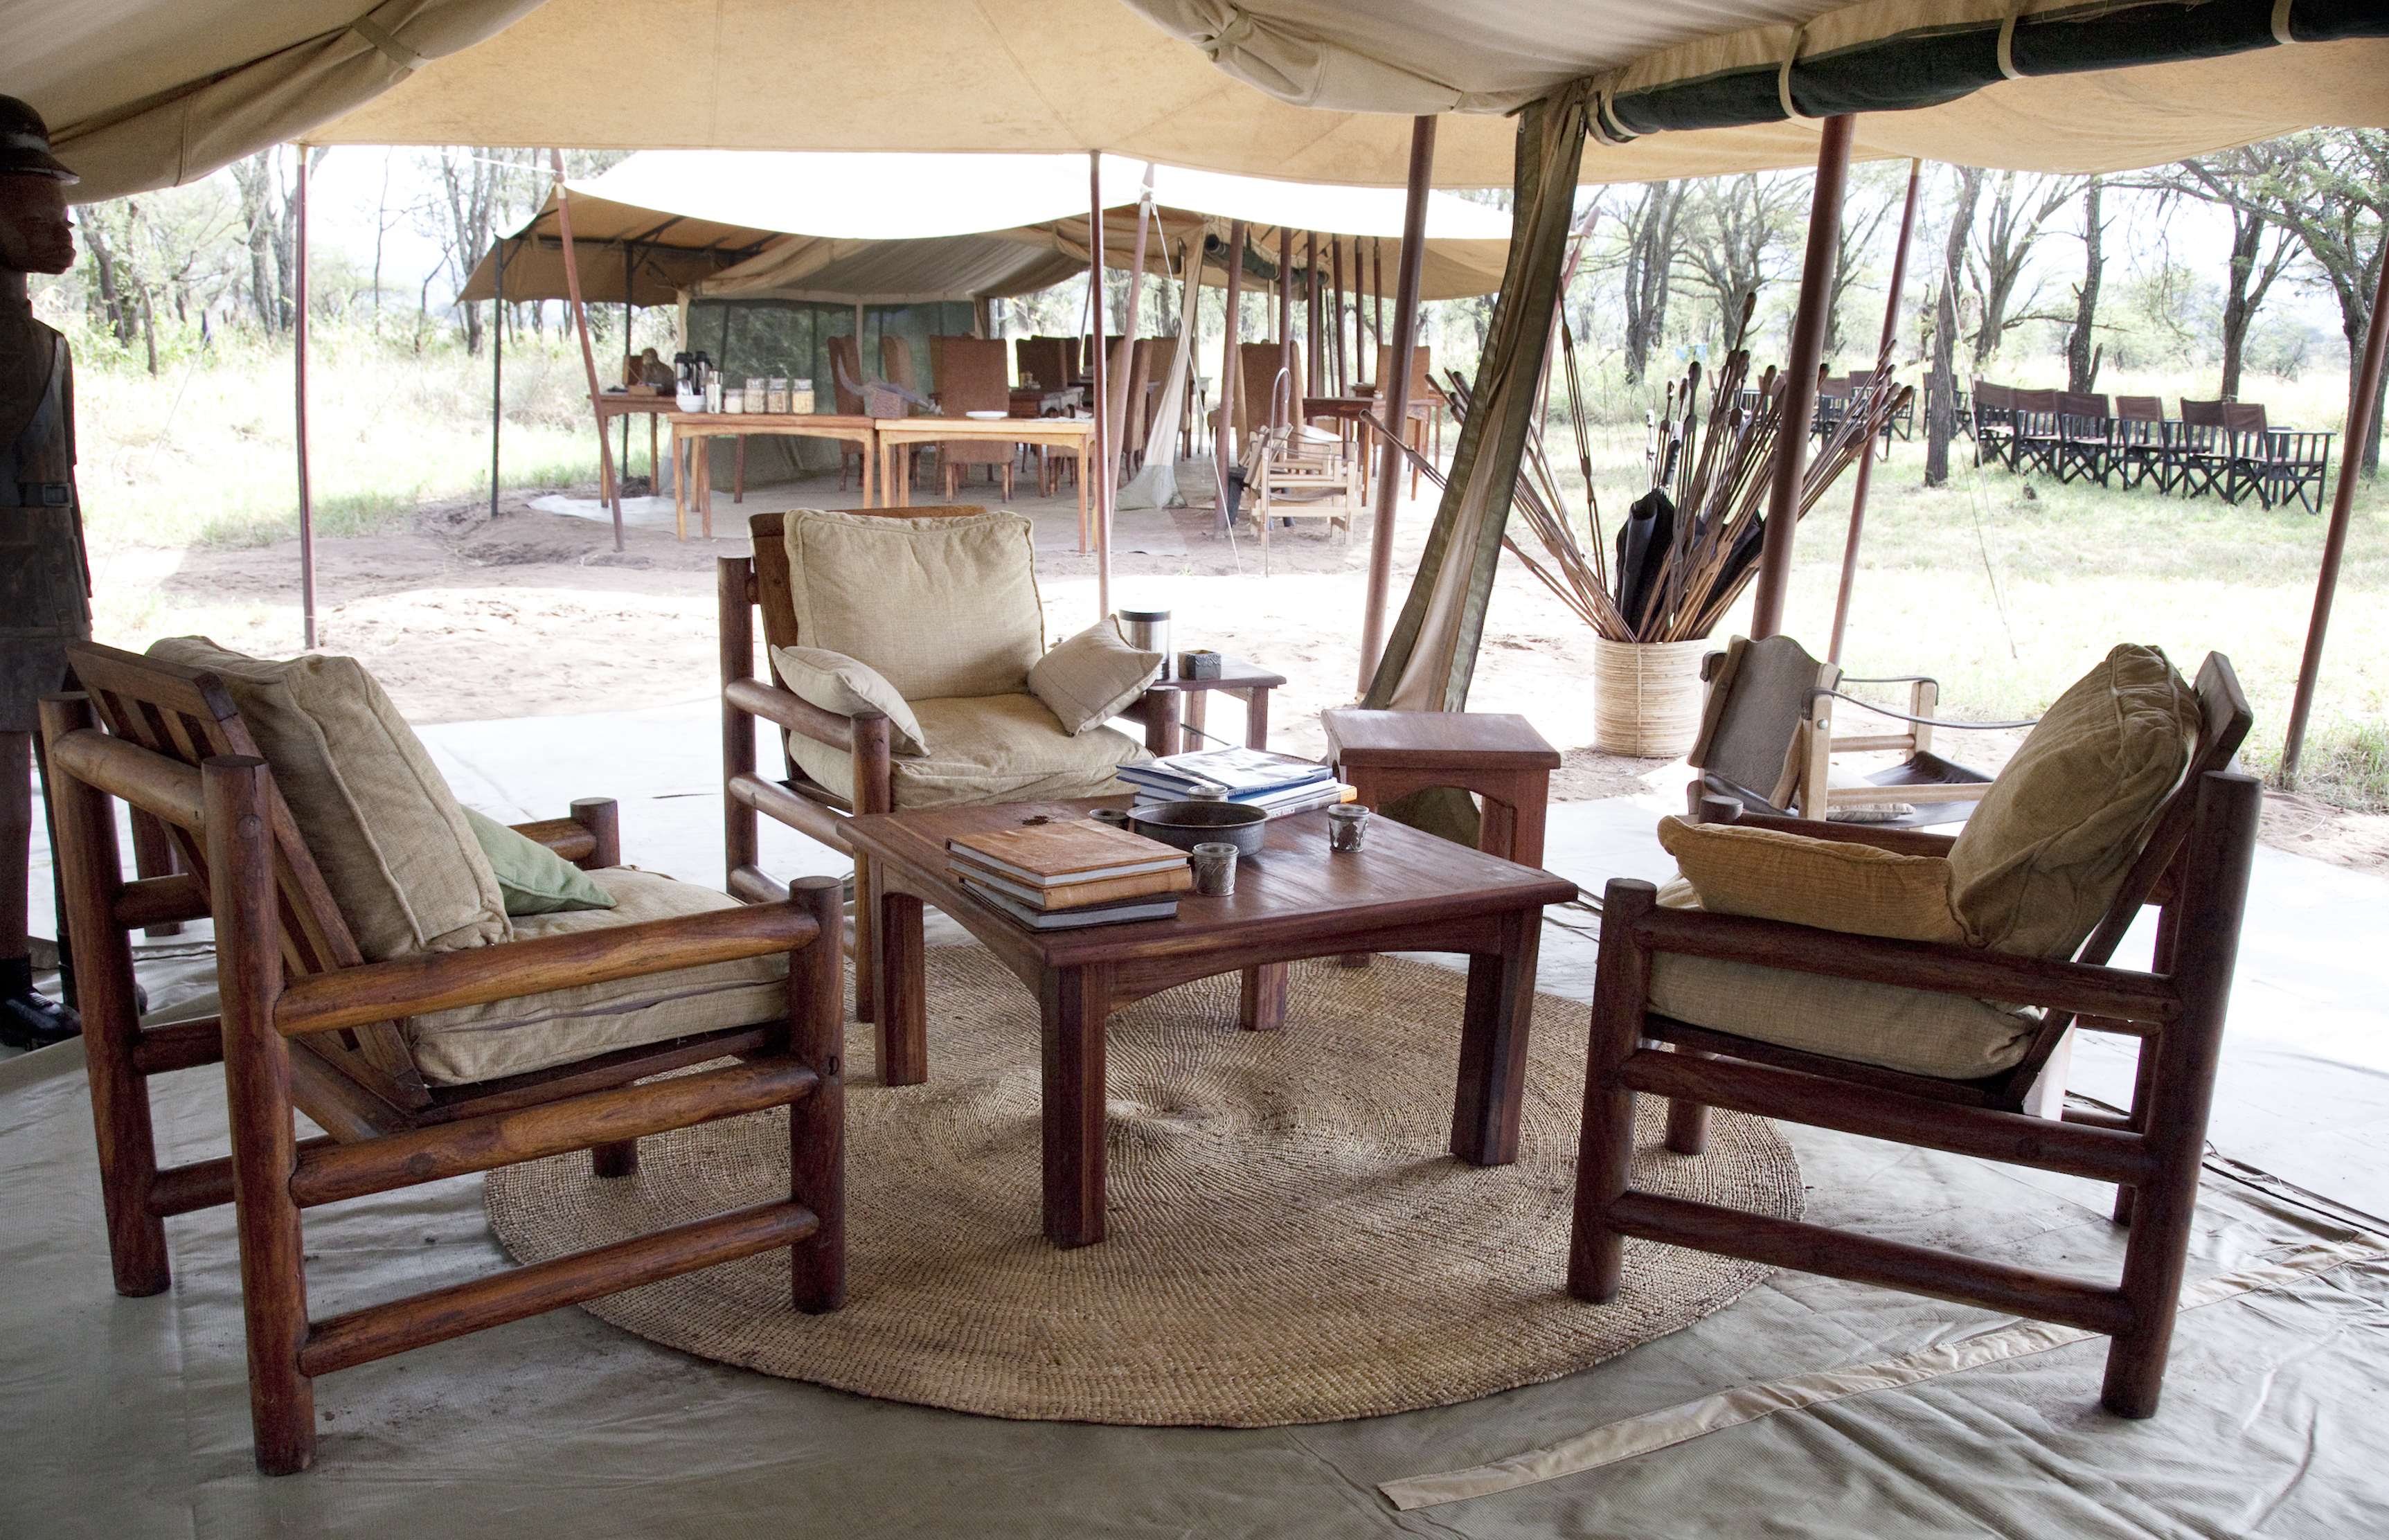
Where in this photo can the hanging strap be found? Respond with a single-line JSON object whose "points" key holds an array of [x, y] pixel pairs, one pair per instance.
{"points": [[22, 494]]}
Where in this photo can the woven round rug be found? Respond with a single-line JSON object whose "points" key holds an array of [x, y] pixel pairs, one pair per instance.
{"points": [[1290, 1240]]}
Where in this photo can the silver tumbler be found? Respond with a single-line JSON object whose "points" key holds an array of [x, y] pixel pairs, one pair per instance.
{"points": [[1148, 632]]}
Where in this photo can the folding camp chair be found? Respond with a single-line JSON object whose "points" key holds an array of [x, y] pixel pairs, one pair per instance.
{"points": [[2085, 448], [2034, 443], [1994, 422], [2143, 446], [2201, 450]]}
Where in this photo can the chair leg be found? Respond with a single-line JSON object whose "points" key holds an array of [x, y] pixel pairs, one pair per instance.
{"points": [[1688, 1127], [817, 1123], [866, 941], [1605, 1149]]}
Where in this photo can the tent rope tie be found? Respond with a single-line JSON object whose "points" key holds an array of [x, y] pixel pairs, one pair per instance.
{"points": [[1237, 29], [1791, 114], [2281, 23], [2007, 45], [388, 45]]}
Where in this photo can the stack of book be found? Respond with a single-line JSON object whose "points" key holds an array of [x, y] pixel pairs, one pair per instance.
{"points": [[1278, 784], [1070, 872]]}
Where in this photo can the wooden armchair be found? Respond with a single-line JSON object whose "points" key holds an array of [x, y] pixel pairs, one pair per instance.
{"points": [[308, 1026], [2193, 865], [841, 765]]}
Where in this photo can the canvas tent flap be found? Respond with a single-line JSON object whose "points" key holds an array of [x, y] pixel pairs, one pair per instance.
{"points": [[142, 93], [893, 272], [669, 252]]}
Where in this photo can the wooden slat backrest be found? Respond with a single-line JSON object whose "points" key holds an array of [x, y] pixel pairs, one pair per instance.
{"points": [[187, 715]]}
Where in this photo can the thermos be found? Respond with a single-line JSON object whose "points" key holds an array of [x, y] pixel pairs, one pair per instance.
{"points": [[1148, 632]]}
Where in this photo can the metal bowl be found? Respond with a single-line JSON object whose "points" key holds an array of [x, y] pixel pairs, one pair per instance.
{"points": [[1188, 824]]}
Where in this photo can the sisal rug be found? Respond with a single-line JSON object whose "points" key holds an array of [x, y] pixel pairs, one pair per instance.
{"points": [[1289, 1240]]}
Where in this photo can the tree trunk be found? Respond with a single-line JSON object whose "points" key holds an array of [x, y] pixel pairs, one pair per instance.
{"points": [[112, 300], [2081, 363], [2247, 235], [1940, 418]]}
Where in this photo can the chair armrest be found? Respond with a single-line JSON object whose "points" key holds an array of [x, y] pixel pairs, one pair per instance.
{"points": [[2077, 989], [789, 710], [440, 981], [570, 840]]}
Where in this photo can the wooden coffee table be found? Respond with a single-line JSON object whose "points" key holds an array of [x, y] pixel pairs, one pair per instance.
{"points": [[1406, 891]]}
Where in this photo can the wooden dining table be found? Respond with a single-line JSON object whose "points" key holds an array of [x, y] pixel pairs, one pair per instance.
{"points": [[895, 433], [693, 484]]}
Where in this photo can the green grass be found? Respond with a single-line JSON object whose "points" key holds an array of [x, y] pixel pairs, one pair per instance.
{"points": [[203, 455]]}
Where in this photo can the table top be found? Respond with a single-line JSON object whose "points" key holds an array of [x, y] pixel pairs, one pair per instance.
{"points": [[623, 401], [1233, 675], [994, 428], [1483, 740], [1295, 889], [772, 421]]}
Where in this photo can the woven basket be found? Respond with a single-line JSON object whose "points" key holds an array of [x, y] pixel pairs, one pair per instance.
{"points": [[1646, 701]]}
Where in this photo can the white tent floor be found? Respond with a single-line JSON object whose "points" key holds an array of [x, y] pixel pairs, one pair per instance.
{"points": [[130, 1414]]}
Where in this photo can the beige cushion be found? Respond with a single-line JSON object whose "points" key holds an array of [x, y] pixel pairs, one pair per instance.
{"points": [[839, 683], [940, 607], [996, 748], [563, 1026], [2040, 860], [1834, 885], [1913, 1030], [394, 844], [1092, 677]]}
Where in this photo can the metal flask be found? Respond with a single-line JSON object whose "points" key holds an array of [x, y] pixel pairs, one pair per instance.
{"points": [[1148, 632]]}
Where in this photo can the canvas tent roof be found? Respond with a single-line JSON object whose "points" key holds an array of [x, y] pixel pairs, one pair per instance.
{"points": [[903, 228], [145, 93]]}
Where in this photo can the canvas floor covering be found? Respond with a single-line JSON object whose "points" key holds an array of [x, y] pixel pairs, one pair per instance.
{"points": [[128, 1417]]}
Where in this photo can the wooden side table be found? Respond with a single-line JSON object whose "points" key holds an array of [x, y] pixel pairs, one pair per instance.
{"points": [[1500, 757], [1187, 700]]}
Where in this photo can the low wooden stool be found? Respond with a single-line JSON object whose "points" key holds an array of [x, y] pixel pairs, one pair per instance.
{"points": [[1386, 755]]}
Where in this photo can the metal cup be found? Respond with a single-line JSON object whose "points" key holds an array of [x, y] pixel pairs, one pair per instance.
{"points": [[1345, 821], [1116, 816], [1215, 870]]}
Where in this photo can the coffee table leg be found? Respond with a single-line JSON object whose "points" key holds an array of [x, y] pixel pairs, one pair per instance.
{"points": [[1493, 1044], [1073, 1002], [902, 1038], [1260, 1004]]}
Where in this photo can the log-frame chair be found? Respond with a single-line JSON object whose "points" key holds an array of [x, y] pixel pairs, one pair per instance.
{"points": [[306, 1025], [2194, 868], [745, 585]]}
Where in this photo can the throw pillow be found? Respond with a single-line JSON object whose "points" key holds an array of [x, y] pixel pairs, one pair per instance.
{"points": [[1092, 677], [534, 879], [1832, 884], [843, 686]]}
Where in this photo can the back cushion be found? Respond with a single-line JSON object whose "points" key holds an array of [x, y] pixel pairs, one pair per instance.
{"points": [[940, 607], [2042, 857], [393, 842]]}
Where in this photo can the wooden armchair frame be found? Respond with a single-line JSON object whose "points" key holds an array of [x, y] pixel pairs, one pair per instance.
{"points": [[306, 1025], [2194, 867], [744, 586]]}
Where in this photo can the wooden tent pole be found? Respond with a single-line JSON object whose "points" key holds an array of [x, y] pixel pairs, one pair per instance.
{"points": [[2343, 507], [1315, 380], [1800, 376], [1377, 293], [1092, 472], [1123, 359], [1336, 264], [1866, 460], [497, 373], [1286, 320], [1222, 456], [298, 343], [1396, 394], [588, 353]]}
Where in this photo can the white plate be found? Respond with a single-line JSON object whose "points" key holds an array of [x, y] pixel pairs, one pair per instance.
{"points": [[987, 416]]}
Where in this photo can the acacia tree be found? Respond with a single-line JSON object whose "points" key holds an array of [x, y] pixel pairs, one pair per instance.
{"points": [[2081, 360], [2244, 183], [1940, 414], [2019, 215], [1650, 238], [1857, 235], [2331, 191], [1737, 223]]}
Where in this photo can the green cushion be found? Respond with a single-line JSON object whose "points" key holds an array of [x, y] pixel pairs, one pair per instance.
{"points": [[534, 879]]}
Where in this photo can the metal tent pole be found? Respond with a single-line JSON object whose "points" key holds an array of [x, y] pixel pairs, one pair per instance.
{"points": [[306, 492], [1866, 460], [497, 371], [1231, 381], [1800, 376], [1396, 394], [588, 353], [2343, 506]]}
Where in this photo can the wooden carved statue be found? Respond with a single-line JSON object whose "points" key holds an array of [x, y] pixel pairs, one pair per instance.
{"points": [[45, 582]]}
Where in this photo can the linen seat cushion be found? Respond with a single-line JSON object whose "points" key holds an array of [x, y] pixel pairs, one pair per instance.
{"points": [[940, 607], [391, 840], [561, 1027], [992, 748]]}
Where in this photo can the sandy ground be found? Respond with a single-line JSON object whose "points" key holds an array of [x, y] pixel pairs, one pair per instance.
{"points": [[469, 618]]}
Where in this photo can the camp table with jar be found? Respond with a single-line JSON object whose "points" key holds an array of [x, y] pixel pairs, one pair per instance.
{"points": [[760, 405]]}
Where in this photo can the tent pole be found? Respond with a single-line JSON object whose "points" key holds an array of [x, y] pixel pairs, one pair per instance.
{"points": [[1285, 318], [1866, 460], [1396, 394], [629, 352], [497, 371], [2343, 506], [588, 353], [1377, 294], [1335, 265], [1092, 475], [1315, 381], [1800, 377], [1123, 360], [299, 341], [1223, 449]]}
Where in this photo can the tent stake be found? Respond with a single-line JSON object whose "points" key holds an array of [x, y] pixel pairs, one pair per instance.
{"points": [[1222, 455], [1866, 460], [588, 354], [1396, 394], [1800, 377], [299, 341], [2343, 506]]}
